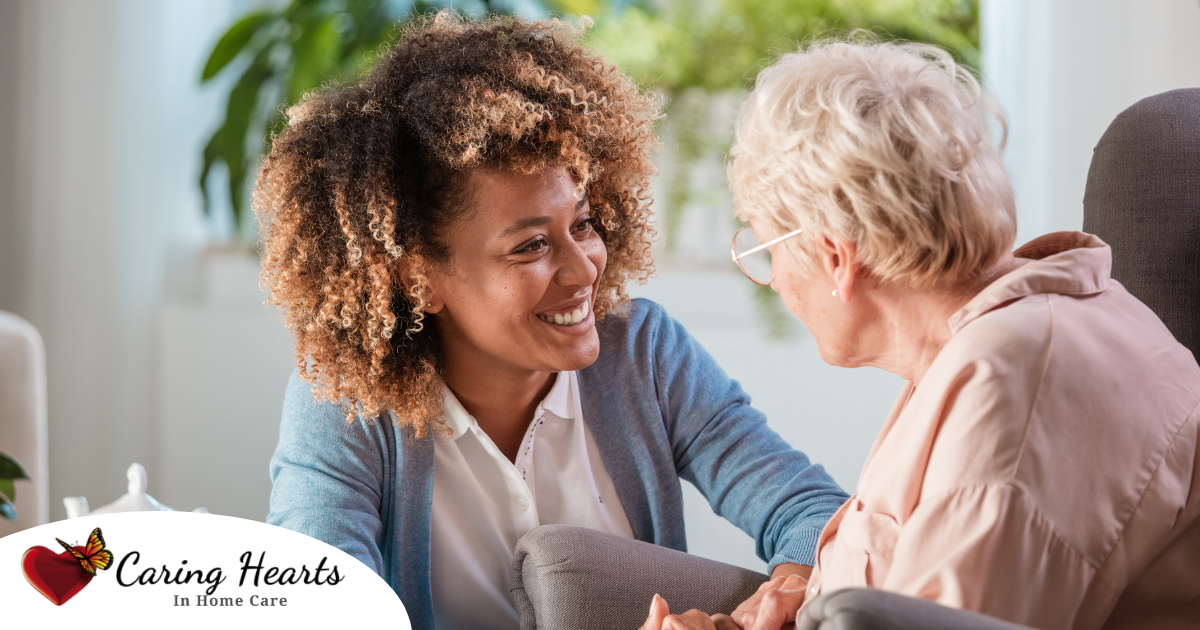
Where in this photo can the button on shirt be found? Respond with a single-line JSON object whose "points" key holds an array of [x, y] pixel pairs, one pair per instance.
{"points": [[483, 503]]}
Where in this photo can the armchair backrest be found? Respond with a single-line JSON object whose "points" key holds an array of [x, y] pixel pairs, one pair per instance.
{"points": [[1143, 199]]}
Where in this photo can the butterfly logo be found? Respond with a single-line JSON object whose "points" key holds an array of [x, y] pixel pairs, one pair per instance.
{"points": [[94, 556], [59, 577]]}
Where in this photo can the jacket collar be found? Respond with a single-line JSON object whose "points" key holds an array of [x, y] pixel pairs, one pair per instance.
{"points": [[1066, 263]]}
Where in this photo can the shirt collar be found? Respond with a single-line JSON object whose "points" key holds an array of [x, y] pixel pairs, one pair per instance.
{"points": [[557, 402], [1067, 263], [454, 414]]}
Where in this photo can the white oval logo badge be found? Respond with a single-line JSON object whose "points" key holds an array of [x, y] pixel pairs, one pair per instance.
{"points": [[185, 570]]}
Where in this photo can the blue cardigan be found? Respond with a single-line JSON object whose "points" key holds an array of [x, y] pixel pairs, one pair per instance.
{"points": [[659, 408]]}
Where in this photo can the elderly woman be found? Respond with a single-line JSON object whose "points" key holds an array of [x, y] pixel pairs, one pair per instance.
{"points": [[450, 238], [1040, 464]]}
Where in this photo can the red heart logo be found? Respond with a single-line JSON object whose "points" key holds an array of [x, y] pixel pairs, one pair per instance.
{"points": [[57, 576]]}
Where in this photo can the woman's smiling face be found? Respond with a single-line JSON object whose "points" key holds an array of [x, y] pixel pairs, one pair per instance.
{"points": [[525, 264]]}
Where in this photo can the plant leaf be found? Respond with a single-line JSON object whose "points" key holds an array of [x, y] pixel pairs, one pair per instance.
{"points": [[313, 56], [7, 509], [11, 469], [228, 143], [7, 489], [577, 7], [232, 43]]}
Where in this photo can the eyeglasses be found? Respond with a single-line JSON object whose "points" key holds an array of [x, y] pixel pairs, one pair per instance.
{"points": [[757, 268]]}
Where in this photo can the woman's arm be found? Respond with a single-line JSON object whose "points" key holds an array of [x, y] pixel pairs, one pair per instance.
{"points": [[328, 475], [723, 446]]}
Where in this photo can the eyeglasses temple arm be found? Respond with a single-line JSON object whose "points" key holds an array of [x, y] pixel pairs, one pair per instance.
{"points": [[765, 245]]}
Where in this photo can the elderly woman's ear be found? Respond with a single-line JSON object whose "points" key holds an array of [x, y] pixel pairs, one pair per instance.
{"points": [[839, 258]]}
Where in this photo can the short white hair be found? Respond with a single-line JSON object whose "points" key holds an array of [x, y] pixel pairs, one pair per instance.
{"points": [[882, 144]]}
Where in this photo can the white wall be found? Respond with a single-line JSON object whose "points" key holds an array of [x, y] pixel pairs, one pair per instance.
{"points": [[12, 252], [1063, 69], [106, 124], [224, 362]]}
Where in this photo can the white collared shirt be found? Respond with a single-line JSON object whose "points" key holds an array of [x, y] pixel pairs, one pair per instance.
{"points": [[483, 503]]}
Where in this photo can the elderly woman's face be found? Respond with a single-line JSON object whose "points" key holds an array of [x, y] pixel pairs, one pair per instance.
{"points": [[525, 265], [808, 293]]}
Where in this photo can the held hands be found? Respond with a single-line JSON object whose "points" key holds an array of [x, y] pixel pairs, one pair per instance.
{"points": [[777, 602], [773, 607], [661, 619]]}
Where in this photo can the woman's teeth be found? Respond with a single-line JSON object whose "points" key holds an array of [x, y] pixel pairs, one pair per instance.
{"points": [[567, 319]]}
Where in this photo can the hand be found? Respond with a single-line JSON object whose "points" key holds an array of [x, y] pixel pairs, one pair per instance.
{"points": [[661, 619], [777, 601]]}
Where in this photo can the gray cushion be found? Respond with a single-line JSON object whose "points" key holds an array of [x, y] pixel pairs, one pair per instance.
{"points": [[1143, 199], [571, 578], [872, 609]]}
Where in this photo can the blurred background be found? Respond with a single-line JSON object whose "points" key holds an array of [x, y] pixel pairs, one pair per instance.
{"points": [[130, 131]]}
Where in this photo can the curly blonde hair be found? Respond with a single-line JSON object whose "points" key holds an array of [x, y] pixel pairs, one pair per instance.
{"points": [[368, 175], [883, 144]]}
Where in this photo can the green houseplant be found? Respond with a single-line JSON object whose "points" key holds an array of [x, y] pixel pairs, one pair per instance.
{"points": [[280, 53], [10, 470], [690, 51], [674, 46]]}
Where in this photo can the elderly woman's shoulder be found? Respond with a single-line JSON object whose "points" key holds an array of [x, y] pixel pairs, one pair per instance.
{"points": [[1035, 376], [982, 389], [1109, 334], [1015, 336]]}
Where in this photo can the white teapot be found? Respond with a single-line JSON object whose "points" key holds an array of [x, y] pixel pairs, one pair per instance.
{"points": [[136, 500]]}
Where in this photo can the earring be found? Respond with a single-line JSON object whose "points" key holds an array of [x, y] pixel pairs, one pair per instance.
{"points": [[835, 293]]}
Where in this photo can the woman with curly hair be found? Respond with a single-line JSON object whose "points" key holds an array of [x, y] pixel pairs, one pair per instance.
{"points": [[449, 239]]}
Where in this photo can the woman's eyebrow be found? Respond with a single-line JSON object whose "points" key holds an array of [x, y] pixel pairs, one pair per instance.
{"points": [[529, 222], [521, 224]]}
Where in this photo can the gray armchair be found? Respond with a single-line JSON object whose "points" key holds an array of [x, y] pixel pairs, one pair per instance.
{"points": [[572, 578], [579, 579], [1142, 198], [873, 609]]}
